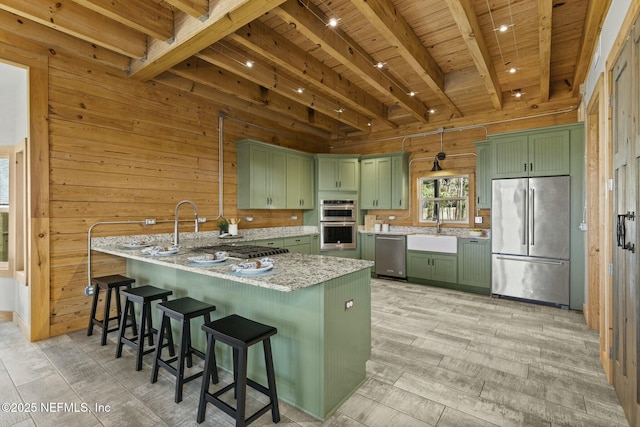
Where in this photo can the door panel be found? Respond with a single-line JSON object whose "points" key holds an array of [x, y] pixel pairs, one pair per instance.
{"points": [[509, 216], [625, 306], [549, 217]]}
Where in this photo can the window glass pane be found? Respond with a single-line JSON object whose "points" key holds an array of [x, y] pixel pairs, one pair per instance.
{"points": [[445, 199], [4, 239], [4, 182]]}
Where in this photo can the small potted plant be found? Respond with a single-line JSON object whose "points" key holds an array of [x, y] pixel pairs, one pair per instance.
{"points": [[223, 225]]}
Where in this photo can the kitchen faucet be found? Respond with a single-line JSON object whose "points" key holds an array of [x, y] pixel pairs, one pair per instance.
{"points": [[438, 224], [176, 231]]}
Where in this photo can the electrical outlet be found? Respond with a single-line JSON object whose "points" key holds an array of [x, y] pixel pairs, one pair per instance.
{"points": [[201, 220], [392, 217], [294, 217], [348, 304], [88, 291], [150, 221], [478, 220]]}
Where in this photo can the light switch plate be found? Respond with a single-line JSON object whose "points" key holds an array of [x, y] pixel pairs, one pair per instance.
{"points": [[478, 220]]}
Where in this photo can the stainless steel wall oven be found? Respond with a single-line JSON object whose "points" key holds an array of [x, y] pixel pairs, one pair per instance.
{"points": [[338, 228]]}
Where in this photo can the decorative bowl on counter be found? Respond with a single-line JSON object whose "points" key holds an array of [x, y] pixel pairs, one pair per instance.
{"points": [[475, 232]]}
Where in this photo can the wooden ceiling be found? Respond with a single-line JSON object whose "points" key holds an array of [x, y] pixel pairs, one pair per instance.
{"points": [[443, 62]]}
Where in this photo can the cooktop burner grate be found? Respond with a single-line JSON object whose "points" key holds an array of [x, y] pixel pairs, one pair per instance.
{"points": [[244, 251]]}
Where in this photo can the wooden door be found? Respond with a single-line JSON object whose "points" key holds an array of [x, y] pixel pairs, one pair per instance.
{"points": [[625, 325]]}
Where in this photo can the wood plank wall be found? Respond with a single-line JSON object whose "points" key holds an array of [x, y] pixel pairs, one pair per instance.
{"points": [[121, 150]]}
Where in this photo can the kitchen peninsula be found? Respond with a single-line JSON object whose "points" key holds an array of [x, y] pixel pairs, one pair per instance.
{"points": [[321, 347]]}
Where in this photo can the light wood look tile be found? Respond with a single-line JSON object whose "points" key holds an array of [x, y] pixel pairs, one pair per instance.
{"points": [[439, 358]]}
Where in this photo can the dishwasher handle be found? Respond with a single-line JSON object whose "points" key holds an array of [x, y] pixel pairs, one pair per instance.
{"points": [[398, 238]]}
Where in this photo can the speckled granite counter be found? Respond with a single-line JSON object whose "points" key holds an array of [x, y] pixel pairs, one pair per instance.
{"points": [[291, 271], [321, 348], [458, 232]]}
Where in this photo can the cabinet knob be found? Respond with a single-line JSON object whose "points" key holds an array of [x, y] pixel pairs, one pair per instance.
{"points": [[530, 167], [525, 167]]}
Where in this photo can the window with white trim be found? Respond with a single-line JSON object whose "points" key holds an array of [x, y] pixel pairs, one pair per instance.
{"points": [[444, 199]]}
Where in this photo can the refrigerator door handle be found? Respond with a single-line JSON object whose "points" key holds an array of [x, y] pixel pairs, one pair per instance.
{"points": [[532, 217], [524, 213], [536, 261]]}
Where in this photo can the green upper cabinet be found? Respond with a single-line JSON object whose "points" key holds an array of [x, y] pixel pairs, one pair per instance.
{"points": [[265, 181], [300, 194], [338, 173], [483, 175], [385, 181], [400, 181], [375, 175], [474, 262], [534, 153]]}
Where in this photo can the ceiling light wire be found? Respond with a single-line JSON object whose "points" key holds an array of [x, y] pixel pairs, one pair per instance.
{"points": [[515, 45]]}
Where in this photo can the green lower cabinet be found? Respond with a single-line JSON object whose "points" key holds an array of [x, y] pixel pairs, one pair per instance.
{"points": [[315, 244], [368, 248], [474, 263], [432, 266], [298, 244], [274, 243]]}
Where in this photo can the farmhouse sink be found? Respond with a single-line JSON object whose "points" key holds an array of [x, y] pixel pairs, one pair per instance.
{"points": [[432, 243]]}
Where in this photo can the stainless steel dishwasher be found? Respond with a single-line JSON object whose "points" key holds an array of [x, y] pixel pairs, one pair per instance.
{"points": [[391, 255]]}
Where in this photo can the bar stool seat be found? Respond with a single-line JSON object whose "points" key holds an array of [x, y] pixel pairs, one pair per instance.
{"points": [[112, 285], [144, 296], [182, 310], [239, 333]]}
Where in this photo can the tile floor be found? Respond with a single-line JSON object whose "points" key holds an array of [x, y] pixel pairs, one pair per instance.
{"points": [[439, 358]]}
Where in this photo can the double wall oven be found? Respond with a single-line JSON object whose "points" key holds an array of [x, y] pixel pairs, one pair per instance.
{"points": [[338, 229]]}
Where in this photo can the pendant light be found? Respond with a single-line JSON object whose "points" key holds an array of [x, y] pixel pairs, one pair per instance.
{"points": [[440, 156]]}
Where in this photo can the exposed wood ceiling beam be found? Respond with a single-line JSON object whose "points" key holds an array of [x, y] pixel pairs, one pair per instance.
{"points": [[465, 16], [195, 8], [545, 14], [78, 21], [596, 12], [339, 45], [383, 15], [259, 115], [213, 76], [145, 16], [278, 82], [192, 35], [271, 45], [58, 41]]}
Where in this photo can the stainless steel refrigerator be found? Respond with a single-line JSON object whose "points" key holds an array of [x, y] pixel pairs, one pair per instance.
{"points": [[530, 238]]}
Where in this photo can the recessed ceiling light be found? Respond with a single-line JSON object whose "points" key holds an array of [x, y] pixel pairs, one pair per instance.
{"points": [[379, 64], [512, 70], [333, 22], [339, 110], [249, 64], [502, 28], [517, 93], [432, 110], [300, 90], [370, 123], [412, 93]]}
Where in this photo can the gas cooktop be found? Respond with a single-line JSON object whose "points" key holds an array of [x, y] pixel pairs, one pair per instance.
{"points": [[244, 251]]}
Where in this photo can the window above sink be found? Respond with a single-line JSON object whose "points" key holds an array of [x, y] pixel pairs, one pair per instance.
{"points": [[444, 199]]}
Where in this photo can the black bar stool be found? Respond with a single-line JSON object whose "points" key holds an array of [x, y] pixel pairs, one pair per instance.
{"points": [[239, 333], [183, 310], [143, 295], [110, 284]]}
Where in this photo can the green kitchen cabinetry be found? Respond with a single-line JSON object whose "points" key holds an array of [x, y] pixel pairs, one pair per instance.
{"points": [[483, 175], [432, 266], [300, 194], [338, 172], [385, 181], [375, 176], [315, 244], [368, 247], [262, 176], [275, 243], [271, 177], [532, 153], [400, 180], [298, 244], [474, 262]]}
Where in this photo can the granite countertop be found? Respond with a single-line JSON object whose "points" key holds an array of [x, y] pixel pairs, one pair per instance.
{"points": [[292, 271], [461, 233]]}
